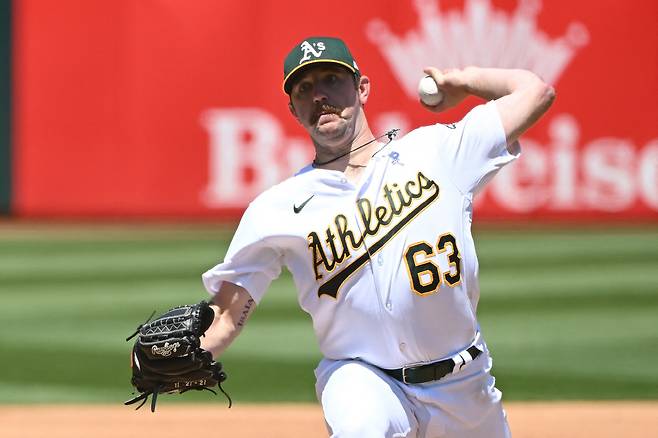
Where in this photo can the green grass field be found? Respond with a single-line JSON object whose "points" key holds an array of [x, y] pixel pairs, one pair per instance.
{"points": [[568, 314]]}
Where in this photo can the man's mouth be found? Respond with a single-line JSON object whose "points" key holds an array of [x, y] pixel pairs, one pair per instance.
{"points": [[324, 109]]}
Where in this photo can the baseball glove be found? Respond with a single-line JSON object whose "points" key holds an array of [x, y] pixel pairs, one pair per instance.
{"points": [[167, 356]]}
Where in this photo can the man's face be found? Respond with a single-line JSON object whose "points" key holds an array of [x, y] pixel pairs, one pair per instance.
{"points": [[327, 102]]}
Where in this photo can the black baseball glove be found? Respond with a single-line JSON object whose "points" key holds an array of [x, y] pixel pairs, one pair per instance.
{"points": [[167, 356]]}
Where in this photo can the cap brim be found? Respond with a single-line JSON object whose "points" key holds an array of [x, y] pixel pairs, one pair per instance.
{"points": [[317, 61]]}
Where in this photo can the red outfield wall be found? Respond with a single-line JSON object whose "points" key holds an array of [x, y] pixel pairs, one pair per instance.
{"points": [[164, 107]]}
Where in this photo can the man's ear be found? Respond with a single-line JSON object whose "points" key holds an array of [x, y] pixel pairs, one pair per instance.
{"points": [[363, 89]]}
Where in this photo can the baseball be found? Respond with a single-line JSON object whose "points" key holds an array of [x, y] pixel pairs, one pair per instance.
{"points": [[428, 92]]}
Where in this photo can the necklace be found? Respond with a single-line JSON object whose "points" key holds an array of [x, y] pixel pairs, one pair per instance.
{"points": [[390, 134]]}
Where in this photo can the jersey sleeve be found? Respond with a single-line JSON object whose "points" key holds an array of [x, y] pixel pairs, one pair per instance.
{"points": [[250, 262], [477, 149]]}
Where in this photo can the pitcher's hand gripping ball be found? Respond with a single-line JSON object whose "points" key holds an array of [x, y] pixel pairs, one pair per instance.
{"points": [[167, 356]]}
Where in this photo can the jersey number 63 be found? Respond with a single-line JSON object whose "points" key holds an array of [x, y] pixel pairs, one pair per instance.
{"points": [[425, 275]]}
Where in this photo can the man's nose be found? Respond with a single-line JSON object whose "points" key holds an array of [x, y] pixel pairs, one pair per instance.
{"points": [[319, 94]]}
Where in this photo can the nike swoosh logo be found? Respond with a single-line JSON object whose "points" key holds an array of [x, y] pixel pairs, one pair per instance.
{"points": [[302, 205]]}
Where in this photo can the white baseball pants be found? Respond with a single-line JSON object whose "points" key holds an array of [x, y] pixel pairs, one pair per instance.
{"points": [[360, 401]]}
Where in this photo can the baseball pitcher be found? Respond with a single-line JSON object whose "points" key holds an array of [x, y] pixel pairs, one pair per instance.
{"points": [[376, 232]]}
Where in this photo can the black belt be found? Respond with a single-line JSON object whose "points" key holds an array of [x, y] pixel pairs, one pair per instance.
{"points": [[431, 371]]}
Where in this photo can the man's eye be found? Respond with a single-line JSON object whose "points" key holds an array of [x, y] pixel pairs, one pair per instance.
{"points": [[303, 87], [332, 79]]}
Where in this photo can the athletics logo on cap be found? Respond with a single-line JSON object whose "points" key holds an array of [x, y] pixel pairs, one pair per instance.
{"points": [[315, 50], [308, 49]]}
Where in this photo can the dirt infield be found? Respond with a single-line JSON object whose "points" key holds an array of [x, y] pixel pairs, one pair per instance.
{"points": [[528, 420]]}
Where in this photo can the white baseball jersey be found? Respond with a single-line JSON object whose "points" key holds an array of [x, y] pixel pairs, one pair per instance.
{"points": [[385, 267]]}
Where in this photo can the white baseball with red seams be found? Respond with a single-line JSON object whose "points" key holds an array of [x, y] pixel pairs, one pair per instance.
{"points": [[386, 267]]}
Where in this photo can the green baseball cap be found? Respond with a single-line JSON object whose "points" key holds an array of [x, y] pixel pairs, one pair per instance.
{"points": [[317, 50]]}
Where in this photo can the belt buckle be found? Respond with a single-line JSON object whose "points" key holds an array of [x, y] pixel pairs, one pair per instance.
{"points": [[404, 375]]}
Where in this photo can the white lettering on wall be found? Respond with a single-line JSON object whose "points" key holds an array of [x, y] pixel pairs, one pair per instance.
{"points": [[608, 174], [247, 154], [564, 137], [648, 174]]}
